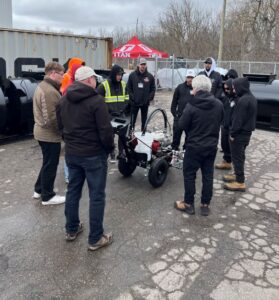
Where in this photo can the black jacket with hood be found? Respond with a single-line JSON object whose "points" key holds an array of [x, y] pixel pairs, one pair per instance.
{"points": [[229, 101], [117, 107], [83, 117], [141, 88], [201, 121], [182, 95], [216, 79], [245, 112]]}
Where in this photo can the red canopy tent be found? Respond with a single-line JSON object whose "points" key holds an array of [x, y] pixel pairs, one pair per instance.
{"points": [[134, 48]]}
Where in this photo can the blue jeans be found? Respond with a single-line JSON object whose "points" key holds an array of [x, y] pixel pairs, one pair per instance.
{"points": [[66, 171], [94, 170]]}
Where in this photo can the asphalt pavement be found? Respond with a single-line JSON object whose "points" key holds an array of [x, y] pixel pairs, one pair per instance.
{"points": [[158, 252]]}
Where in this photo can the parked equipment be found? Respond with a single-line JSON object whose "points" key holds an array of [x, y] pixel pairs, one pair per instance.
{"points": [[149, 150], [16, 115], [266, 90]]}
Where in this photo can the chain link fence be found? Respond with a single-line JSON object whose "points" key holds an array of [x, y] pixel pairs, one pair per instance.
{"points": [[170, 72]]}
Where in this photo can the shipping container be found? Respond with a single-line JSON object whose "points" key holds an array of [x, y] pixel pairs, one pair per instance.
{"points": [[26, 50]]}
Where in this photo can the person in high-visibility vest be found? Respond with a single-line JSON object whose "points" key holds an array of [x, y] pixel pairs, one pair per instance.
{"points": [[114, 91]]}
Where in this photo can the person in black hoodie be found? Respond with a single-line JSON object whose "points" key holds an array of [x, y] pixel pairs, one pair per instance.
{"points": [[116, 97], [181, 96], [84, 121], [242, 124], [141, 89], [201, 121], [215, 77], [115, 92], [229, 99]]}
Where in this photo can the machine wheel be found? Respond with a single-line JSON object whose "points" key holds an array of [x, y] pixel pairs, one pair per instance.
{"points": [[158, 172], [126, 167]]}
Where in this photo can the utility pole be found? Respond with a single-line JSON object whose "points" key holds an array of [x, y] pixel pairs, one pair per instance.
{"points": [[137, 24], [221, 40]]}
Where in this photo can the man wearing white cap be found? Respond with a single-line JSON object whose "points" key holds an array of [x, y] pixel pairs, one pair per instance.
{"points": [[182, 95], [85, 122]]}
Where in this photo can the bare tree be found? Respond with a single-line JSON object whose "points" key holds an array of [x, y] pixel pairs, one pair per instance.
{"points": [[188, 28]]}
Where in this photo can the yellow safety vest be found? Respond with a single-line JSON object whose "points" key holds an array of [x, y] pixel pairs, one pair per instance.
{"points": [[112, 99]]}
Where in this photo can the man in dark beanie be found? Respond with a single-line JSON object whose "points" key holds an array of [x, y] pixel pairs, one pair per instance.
{"points": [[229, 100], [243, 123], [116, 97]]}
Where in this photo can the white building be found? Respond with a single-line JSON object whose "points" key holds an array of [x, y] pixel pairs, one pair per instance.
{"points": [[6, 18]]}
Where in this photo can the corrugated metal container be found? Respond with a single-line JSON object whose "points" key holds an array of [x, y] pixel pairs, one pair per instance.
{"points": [[6, 19], [14, 44]]}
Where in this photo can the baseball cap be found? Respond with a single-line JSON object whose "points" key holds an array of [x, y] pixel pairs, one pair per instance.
{"points": [[190, 73], [208, 61], [142, 61], [84, 72]]}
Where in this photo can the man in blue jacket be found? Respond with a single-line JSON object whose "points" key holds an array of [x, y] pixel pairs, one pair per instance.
{"points": [[201, 121]]}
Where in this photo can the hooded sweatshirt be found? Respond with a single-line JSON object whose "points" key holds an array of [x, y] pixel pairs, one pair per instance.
{"points": [[245, 112], [201, 120], [215, 78], [69, 76], [229, 101], [117, 89], [85, 122]]}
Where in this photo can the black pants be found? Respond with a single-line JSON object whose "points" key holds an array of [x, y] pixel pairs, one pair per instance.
{"points": [[177, 133], [195, 159], [238, 147], [45, 182], [225, 144], [134, 114]]}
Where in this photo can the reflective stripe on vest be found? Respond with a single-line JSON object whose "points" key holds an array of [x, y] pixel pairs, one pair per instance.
{"points": [[112, 99]]}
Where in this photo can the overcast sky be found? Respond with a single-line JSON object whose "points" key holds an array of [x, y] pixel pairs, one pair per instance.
{"points": [[81, 16]]}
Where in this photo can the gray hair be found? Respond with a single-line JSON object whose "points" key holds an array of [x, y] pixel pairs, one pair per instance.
{"points": [[201, 83]]}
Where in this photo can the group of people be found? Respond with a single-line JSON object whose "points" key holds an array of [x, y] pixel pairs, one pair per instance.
{"points": [[71, 107], [201, 106]]}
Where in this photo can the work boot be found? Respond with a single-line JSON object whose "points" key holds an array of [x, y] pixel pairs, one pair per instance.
{"points": [[224, 165], [229, 178], [235, 186]]}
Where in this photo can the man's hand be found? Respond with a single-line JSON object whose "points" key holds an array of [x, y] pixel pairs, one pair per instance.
{"points": [[231, 139]]}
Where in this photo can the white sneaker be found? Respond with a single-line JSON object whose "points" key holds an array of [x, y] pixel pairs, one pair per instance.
{"points": [[55, 200], [36, 195]]}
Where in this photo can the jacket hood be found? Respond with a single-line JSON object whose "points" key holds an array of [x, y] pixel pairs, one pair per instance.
{"points": [[203, 100], [241, 86], [231, 74], [76, 61], [115, 71], [213, 67], [74, 68], [78, 92]]}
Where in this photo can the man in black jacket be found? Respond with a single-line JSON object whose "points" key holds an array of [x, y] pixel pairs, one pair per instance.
{"points": [[243, 123], [229, 101], [141, 89], [181, 96], [85, 123], [215, 77], [201, 121], [116, 97]]}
